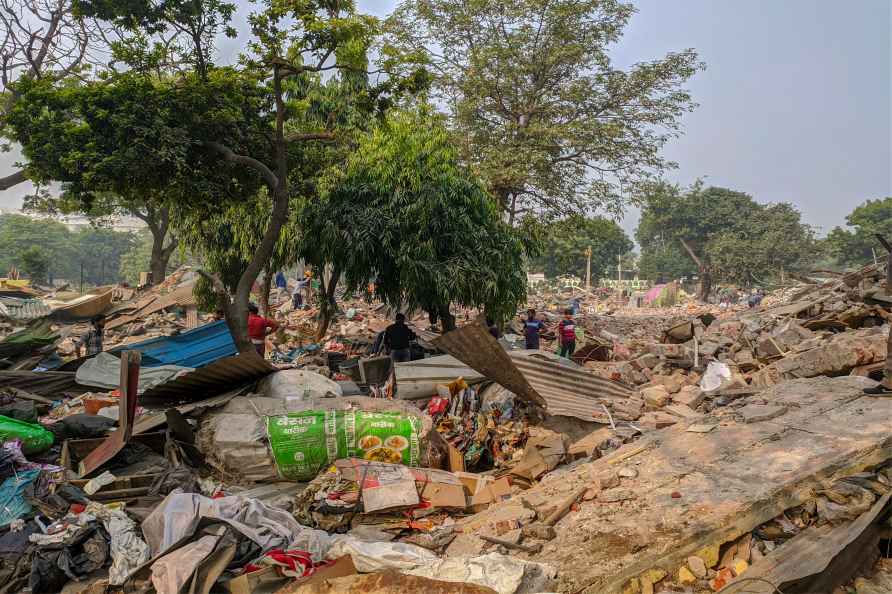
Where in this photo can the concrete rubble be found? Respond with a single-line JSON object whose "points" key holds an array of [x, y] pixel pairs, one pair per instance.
{"points": [[684, 447]]}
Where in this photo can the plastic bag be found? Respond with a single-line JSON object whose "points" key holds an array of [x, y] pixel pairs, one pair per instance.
{"points": [[716, 374], [378, 556], [35, 438]]}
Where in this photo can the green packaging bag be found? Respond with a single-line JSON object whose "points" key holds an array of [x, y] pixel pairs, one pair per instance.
{"points": [[303, 443], [35, 438]]}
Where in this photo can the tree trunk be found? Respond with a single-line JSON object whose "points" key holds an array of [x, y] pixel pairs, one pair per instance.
{"points": [[159, 223], [327, 302], [705, 284], [447, 320], [265, 287]]}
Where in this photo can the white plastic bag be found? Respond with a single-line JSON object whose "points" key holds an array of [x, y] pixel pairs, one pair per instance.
{"points": [[504, 574], [715, 376], [369, 557]]}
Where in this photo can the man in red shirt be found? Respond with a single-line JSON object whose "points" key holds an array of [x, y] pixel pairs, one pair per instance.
{"points": [[567, 334], [258, 328]]}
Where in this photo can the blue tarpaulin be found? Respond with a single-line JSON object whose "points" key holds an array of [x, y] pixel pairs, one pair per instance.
{"points": [[193, 348]]}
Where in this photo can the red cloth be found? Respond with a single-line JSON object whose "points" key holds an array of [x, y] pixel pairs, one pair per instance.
{"points": [[293, 563], [257, 326], [567, 329]]}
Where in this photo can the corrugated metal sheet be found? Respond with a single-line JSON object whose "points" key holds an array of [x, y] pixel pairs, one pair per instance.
{"points": [[193, 348], [181, 296], [25, 309], [565, 390], [213, 379], [569, 391], [50, 384], [475, 346]]}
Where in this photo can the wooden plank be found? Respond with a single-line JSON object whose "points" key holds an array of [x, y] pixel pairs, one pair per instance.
{"points": [[128, 386], [806, 554]]}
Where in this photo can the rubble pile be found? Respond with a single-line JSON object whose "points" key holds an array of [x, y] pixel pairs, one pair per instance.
{"points": [[684, 448]]}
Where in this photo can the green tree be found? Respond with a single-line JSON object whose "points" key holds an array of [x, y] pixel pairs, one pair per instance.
{"points": [[210, 135], [565, 244], [35, 263], [407, 214], [99, 250], [103, 207], [856, 245], [535, 103], [19, 233], [139, 258], [726, 234], [41, 39]]}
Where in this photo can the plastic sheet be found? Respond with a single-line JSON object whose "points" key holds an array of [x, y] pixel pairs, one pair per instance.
{"points": [[715, 376], [179, 514], [378, 556], [12, 503], [35, 438]]}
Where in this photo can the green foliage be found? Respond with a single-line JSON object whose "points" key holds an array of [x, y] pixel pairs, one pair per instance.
{"points": [[99, 250], [664, 260], [406, 213], [19, 233], [534, 101], [736, 238], [855, 246], [139, 258], [35, 264], [565, 243]]}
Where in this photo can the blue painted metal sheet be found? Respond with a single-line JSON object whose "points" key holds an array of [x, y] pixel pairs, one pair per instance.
{"points": [[194, 348]]}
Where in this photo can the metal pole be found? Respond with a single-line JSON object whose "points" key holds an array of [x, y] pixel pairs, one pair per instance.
{"points": [[82, 277]]}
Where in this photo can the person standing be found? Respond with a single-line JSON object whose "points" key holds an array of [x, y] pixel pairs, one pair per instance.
{"points": [[884, 388], [297, 298], [567, 334], [92, 340], [397, 339], [531, 329], [258, 328]]}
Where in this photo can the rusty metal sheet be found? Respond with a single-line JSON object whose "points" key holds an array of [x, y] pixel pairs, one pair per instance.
{"points": [[51, 384], [476, 347], [181, 296], [115, 442], [216, 378]]}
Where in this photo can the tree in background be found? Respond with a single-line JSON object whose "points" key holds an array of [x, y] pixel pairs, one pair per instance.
{"points": [[19, 233], [565, 241], [665, 260], [103, 207], [857, 245], [405, 213], [726, 234], [536, 105], [99, 251], [35, 263], [41, 39]]}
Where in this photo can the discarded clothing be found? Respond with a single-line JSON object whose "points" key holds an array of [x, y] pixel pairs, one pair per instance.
{"points": [[128, 550], [13, 504], [73, 559]]}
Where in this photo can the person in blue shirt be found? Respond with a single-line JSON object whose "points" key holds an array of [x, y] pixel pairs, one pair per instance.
{"points": [[531, 329]]}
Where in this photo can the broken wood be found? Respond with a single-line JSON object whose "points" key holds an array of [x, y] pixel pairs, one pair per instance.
{"points": [[532, 549]]}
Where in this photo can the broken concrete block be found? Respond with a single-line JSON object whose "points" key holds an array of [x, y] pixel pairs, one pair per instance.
{"points": [[648, 360], [656, 420], [697, 566], [690, 396], [608, 479], [655, 396], [682, 411], [616, 495], [754, 413], [673, 383]]}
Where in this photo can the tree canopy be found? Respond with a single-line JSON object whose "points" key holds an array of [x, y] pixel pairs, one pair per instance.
{"points": [[417, 223], [727, 234], [565, 241], [535, 103], [856, 244]]}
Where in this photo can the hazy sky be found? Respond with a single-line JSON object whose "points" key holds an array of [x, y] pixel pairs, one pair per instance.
{"points": [[795, 104]]}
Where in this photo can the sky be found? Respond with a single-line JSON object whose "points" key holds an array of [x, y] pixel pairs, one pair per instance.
{"points": [[795, 104]]}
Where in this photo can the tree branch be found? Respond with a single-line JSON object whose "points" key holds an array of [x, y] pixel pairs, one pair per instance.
{"points": [[216, 283], [271, 180], [13, 179], [691, 253], [299, 137]]}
